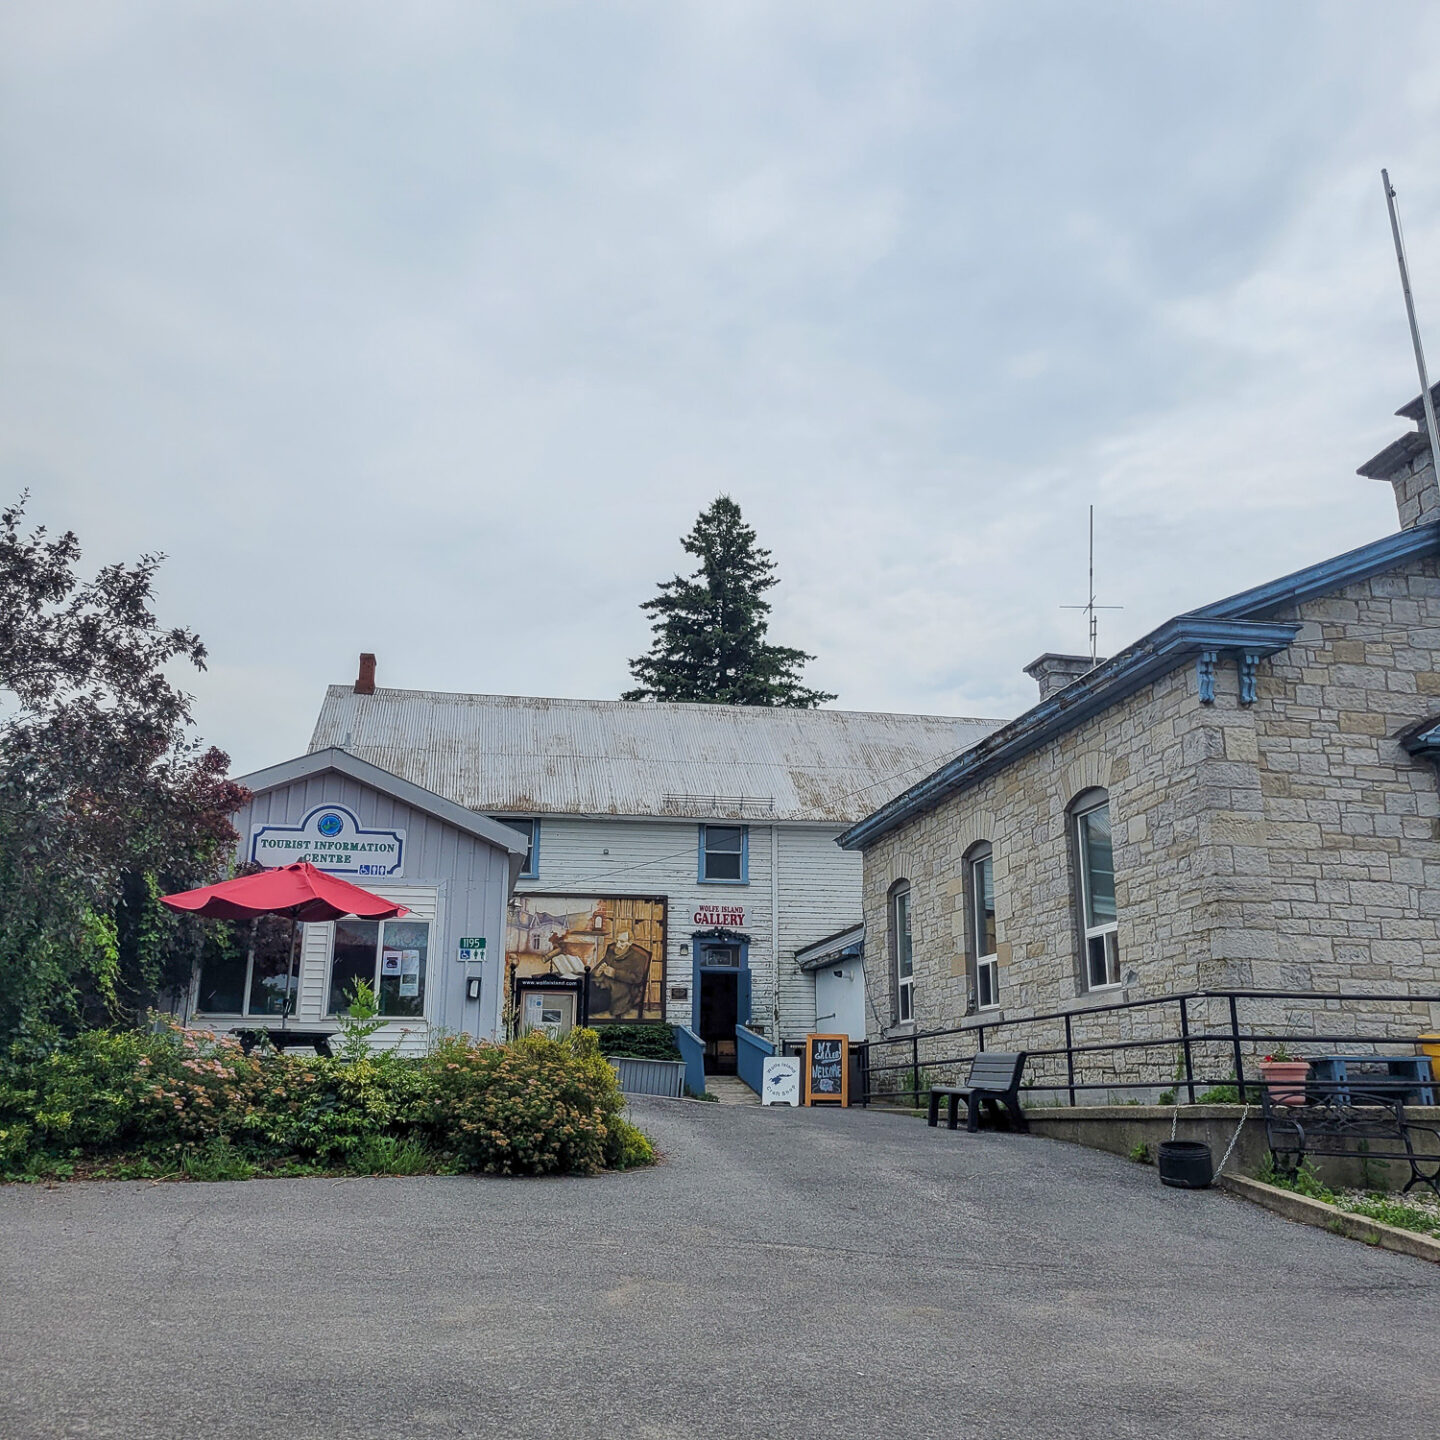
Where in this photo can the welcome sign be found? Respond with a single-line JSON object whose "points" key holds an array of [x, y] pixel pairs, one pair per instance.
{"points": [[330, 838]]}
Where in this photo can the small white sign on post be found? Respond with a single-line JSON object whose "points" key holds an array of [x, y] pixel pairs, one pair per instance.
{"points": [[781, 1082]]}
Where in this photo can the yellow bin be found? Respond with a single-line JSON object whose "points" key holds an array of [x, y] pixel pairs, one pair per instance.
{"points": [[1430, 1045]]}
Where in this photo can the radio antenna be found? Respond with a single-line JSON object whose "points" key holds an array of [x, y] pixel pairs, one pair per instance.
{"points": [[1090, 607], [1425, 397]]}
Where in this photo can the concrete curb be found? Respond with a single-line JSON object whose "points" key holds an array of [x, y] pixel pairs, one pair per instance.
{"points": [[1327, 1217]]}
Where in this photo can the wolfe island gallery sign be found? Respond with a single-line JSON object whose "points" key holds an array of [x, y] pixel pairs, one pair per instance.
{"points": [[330, 838]]}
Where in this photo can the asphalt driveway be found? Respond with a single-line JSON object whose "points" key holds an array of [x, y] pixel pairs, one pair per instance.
{"points": [[783, 1274]]}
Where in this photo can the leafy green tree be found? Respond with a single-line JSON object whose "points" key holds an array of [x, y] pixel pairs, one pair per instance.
{"points": [[710, 629], [105, 800]]}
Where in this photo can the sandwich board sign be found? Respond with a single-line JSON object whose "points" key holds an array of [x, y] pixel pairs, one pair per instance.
{"points": [[780, 1084], [827, 1070]]}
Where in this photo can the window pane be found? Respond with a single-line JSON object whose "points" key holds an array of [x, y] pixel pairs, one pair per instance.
{"points": [[724, 852], [527, 829], [983, 893], [271, 983], [988, 986], [1103, 959], [907, 999], [402, 967], [1099, 862], [353, 958], [222, 980], [904, 956]]}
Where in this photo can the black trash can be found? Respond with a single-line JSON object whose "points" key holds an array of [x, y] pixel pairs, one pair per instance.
{"points": [[1185, 1164]]}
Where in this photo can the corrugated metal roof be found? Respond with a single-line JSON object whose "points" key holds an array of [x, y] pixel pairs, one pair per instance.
{"points": [[508, 754]]}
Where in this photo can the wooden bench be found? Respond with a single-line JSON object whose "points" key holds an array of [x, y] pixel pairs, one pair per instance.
{"points": [[993, 1082], [1345, 1122]]}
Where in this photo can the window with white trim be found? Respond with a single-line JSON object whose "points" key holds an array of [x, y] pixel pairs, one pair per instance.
{"points": [[1096, 857], [391, 957], [904, 955], [982, 928], [724, 855]]}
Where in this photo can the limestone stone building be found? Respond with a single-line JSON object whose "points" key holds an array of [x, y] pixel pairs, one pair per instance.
{"points": [[1244, 798]]}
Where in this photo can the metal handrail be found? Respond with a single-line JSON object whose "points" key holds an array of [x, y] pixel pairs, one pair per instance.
{"points": [[1233, 1036]]}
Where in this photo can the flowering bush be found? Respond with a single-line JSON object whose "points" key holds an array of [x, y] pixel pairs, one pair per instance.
{"points": [[190, 1102]]}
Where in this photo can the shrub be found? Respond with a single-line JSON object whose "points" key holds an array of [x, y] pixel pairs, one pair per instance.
{"points": [[533, 1107], [176, 1102], [639, 1042]]}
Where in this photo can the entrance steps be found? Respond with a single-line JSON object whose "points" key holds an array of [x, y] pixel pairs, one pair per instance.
{"points": [[731, 1090]]}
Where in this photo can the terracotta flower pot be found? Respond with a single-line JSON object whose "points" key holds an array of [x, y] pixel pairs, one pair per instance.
{"points": [[1286, 1079]]}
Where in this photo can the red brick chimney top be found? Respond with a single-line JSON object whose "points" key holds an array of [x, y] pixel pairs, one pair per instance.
{"points": [[365, 681]]}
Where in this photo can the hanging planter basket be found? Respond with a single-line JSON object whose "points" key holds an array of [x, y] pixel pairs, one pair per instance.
{"points": [[1185, 1164]]}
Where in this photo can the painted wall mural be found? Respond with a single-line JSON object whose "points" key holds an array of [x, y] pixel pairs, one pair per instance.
{"points": [[619, 942]]}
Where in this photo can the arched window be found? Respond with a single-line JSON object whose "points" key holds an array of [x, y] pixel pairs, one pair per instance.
{"points": [[983, 942], [902, 950], [1095, 860]]}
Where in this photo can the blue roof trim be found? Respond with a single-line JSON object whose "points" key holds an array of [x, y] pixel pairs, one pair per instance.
{"points": [[1235, 624], [1145, 661], [1328, 575]]}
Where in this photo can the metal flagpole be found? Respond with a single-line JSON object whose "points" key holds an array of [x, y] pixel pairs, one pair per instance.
{"points": [[1414, 325]]}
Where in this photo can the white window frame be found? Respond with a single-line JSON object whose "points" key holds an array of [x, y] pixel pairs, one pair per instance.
{"points": [[904, 955], [1108, 932], [987, 966], [333, 1014]]}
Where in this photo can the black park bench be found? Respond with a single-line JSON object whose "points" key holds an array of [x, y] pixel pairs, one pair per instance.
{"points": [[1344, 1121], [994, 1081]]}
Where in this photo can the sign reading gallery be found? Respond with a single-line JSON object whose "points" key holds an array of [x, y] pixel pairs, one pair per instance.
{"points": [[330, 838], [724, 915]]}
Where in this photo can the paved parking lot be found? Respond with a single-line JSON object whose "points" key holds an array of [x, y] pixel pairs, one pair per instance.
{"points": [[783, 1274]]}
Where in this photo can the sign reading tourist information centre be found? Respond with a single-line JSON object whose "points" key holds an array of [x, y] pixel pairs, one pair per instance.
{"points": [[332, 839]]}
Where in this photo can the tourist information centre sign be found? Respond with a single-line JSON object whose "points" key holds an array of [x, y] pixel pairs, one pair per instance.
{"points": [[331, 839]]}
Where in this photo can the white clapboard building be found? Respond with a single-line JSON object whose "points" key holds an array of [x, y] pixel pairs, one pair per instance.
{"points": [[682, 859]]}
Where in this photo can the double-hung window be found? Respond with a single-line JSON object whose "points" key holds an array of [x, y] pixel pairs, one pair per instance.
{"points": [[904, 957], [1097, 892], [982, 928], [724, 855], [530, 829], [390, 957]]}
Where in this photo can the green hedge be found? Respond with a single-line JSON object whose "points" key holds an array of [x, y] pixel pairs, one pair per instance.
{"points": [[641, 1042], [191, 1103]]}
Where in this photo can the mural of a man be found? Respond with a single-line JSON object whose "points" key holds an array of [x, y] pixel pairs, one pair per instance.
{"points": [[617, 983]]}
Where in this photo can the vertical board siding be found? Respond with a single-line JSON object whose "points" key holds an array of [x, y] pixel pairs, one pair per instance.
{"points": [[454, 880], [819, 893]]}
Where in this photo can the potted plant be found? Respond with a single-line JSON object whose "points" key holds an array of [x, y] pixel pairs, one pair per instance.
{"points": [[1285, 1075]]}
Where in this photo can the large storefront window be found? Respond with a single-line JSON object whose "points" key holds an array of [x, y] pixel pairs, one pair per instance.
{"points": [[251, 971], [391, 957]]}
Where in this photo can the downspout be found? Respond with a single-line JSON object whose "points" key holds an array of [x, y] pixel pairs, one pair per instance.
{"points": [[775, 932]]}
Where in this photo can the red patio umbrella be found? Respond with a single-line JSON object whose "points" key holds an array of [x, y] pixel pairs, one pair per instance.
{"points": [[300, 891]]}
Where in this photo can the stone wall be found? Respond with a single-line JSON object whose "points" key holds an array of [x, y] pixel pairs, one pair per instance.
{"points": [[1288, 844]]}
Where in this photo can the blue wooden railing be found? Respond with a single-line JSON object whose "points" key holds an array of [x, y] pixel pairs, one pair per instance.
{"points": [[751, 1052], [692, 1051]]}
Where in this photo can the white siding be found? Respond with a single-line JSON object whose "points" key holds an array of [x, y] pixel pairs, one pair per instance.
{"points": [[819, 893]]}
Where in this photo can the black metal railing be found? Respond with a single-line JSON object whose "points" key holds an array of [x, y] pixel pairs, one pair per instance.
{"points": [[909, 1064]]}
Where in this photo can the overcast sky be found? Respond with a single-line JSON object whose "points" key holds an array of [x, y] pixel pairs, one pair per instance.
{"points": [[428, 329]]}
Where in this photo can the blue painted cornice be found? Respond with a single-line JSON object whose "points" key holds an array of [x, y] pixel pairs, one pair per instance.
{"points": [[1422, 739], [1236, 627], [1186, 637], [1328, 575]]}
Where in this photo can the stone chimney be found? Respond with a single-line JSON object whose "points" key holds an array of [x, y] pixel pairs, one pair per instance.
{"points": [[365, 680], [1054, 672], [1408, 466]]}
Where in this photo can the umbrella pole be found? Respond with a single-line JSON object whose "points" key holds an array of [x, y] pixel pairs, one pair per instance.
{"points": [[292, 980]]}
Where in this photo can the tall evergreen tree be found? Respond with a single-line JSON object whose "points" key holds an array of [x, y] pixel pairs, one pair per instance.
{"points": [[709, 630]]}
